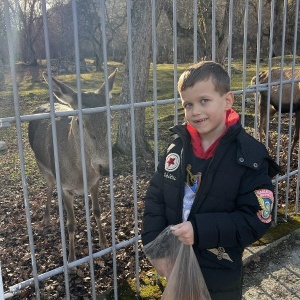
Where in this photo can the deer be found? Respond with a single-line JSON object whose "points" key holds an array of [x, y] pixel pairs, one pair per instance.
{"points": [[69, 152], [275, 75]]}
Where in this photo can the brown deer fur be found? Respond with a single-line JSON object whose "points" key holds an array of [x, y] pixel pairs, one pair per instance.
{"points": [[274, 100], [69, 152]]}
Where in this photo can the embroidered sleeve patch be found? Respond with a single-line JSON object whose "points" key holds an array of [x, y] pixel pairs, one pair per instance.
{"points": [[266, 200]]}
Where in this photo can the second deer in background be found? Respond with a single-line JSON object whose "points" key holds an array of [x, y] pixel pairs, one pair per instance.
{"points": [[275, 94]]}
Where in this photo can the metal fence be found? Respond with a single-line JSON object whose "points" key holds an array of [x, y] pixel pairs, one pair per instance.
{"points": [[287, 183]]}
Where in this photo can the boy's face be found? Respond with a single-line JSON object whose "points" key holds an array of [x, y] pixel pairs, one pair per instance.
{"points": [[205, 109]]}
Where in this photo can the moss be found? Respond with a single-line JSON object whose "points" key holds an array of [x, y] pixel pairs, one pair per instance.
{"points": [[283, 227], [151, 288]]}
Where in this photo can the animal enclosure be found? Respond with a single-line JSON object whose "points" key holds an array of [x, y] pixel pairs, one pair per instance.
{"points": [[79, 44]]}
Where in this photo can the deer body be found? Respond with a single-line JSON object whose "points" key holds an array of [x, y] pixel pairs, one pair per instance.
{"points": [[275, 98], [69, 152]]}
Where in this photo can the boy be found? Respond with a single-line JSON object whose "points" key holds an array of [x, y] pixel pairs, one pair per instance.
{"points": [[213, 183]]}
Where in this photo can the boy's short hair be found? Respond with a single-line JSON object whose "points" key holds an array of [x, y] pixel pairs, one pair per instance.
{"points": [[203, 71]]}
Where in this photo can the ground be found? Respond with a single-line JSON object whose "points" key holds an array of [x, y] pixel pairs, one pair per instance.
{"points": [[275, 275]]}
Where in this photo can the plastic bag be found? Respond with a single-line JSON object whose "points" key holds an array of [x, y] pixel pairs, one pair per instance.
{"points": [[178, 263]]}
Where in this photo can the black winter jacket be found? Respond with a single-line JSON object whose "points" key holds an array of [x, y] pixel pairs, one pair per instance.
{"points": [[224, 212]]}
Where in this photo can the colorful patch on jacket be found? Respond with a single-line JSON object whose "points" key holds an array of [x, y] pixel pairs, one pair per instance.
{"points": [[266, 200], [172, 162]]}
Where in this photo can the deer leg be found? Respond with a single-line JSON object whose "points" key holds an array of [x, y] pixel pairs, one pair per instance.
{"points": [[46, 219], [97, 215], [296, 132], [50, 180], [68, 199]]}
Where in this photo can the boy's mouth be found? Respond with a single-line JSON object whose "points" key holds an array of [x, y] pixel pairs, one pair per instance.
{"points": [[201, 120]]}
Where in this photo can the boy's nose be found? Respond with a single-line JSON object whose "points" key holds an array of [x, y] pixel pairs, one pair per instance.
{"points": [[196, 110]]}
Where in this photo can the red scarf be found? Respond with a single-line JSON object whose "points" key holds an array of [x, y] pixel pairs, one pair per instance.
{"points": [[232, 117]]}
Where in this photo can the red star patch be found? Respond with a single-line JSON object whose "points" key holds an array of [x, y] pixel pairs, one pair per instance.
{"points": [[171, 161]]}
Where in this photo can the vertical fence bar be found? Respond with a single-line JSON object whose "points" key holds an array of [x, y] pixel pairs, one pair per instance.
{"points": [[55, 149], [230, 37], [258, 40], [154, 64], [1, 284], [175, 61], [195, 22], [111, 182], [109, 133], [280, 109], [297, 4], [20, 147], [245, 42], [82, 148], [133, 151], [213, 32], [270, 67]]}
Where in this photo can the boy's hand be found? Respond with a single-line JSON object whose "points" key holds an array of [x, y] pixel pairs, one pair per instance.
{"points": [[185, 232]]}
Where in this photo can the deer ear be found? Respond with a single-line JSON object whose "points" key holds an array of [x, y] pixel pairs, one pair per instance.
{"points": [[62, 92], [111, 79]]}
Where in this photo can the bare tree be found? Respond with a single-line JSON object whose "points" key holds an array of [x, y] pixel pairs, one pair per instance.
{"points": [[28, 24], [90, 25], [204, 27]]}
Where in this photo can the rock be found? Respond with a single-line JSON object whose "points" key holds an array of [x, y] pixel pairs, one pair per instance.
{"points": [[3, 146]]}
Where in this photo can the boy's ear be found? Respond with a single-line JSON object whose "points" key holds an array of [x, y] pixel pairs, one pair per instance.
{"points": [[229, 98]]}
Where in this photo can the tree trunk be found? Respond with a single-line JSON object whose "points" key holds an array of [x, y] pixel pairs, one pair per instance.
{"points": [[222, 35], [141, 55], [277, 34], [2, 78]]}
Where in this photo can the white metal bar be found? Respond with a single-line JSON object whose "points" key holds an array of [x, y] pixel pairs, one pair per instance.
{"points": [[270, 67], [213, 33], [279, 110], [154, 63], [55, 149], [245, 41], [20, 147], [82, 147], [258, 39], [250, 89], [133, 148], [1, 284], [195, 22], [175, 59], [296, 24], [230, 30]]}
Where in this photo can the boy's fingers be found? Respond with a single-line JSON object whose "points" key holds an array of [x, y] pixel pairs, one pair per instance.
{"points": [[176, 229]]}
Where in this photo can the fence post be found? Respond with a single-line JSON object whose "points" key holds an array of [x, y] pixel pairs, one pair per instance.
{"points": [[1, 285]]}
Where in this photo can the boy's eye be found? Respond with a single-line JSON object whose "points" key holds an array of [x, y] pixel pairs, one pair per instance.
{"points": [[187, 104], [204, 100]]}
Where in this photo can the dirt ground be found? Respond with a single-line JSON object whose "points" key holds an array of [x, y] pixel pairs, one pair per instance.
{"points": [[275, 275]]}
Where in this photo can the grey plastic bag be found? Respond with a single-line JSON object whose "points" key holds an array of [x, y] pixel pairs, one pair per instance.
{"points": [[178, 263]]}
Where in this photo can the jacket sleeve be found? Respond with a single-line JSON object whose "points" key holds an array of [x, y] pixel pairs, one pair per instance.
{"points": [[154, 218], [249, 220]]}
